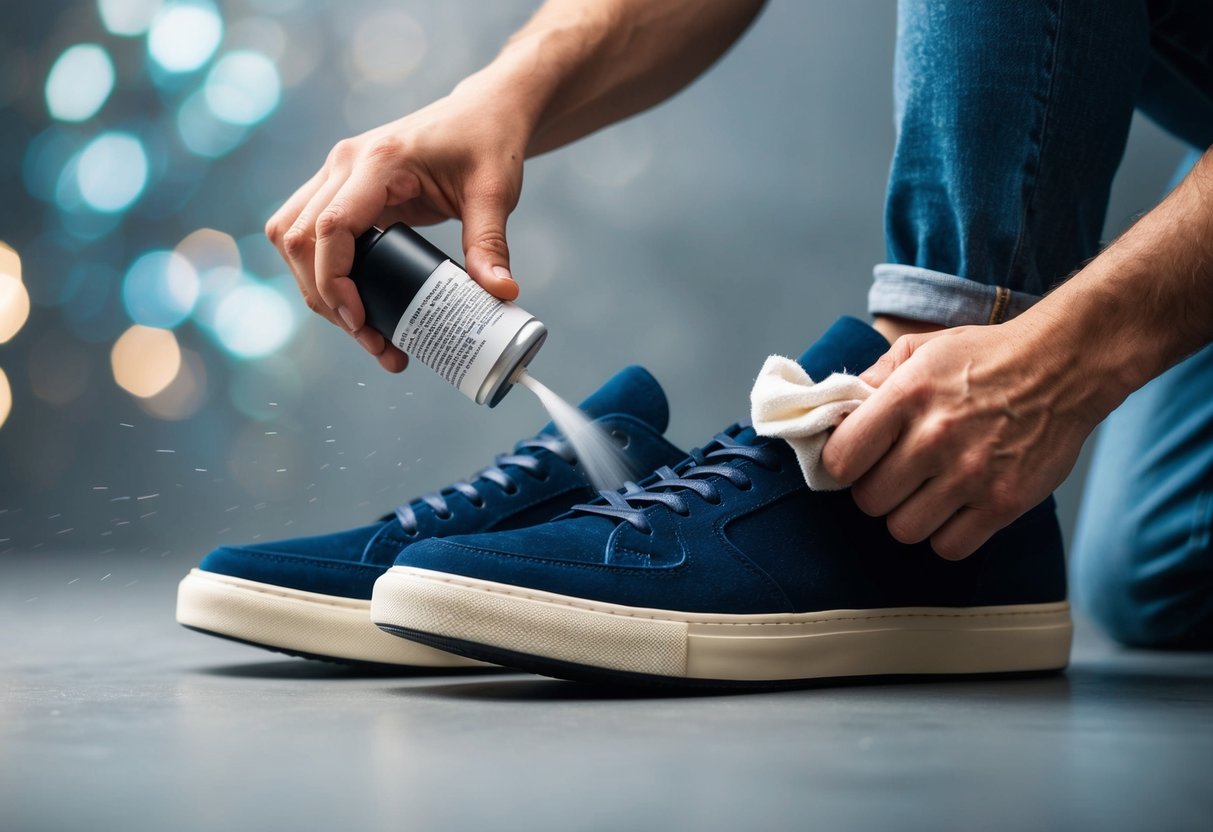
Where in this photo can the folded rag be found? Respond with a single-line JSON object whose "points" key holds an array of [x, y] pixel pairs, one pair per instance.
{"points": [[787, 404]]}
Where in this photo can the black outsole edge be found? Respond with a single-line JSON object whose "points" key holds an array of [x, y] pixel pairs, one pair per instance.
{"points": [[370, 668], [571, 671]]}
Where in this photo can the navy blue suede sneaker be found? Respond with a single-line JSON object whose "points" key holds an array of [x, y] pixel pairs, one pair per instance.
{"points": [[310, 596], [726, 571]]}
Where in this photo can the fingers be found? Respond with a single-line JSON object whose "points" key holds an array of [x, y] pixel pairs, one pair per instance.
{"points": [[390, 358], [299, 248], [926, 510], [864, 437], [894, 357], [901, 472], [484, 245], [966, 532], [393, 360], [353, 208], [868, 433]]}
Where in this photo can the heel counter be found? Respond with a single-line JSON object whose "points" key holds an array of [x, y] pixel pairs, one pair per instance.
{"points": [[1026, 562]]}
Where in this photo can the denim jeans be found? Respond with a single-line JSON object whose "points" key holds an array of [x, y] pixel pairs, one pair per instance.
{"points": [[1012, 118]]}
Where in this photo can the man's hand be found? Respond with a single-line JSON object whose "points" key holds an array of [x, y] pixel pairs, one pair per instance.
{"points": [[460, 157], [971, 427], [968, 429], [577, 66]]}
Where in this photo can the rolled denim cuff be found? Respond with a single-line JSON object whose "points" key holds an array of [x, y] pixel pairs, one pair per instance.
{"points": [[940, 298]]}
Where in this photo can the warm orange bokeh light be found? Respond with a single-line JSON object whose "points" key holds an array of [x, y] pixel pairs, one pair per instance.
{"points": [[145, 360]]}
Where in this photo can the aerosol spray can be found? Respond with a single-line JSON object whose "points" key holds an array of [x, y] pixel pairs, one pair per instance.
{"points": [[432, 310]]}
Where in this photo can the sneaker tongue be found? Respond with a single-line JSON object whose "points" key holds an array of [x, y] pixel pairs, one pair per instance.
{"points": [[849, 346], [633, 391]]}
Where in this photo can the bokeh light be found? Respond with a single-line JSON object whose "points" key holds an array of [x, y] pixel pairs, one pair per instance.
{"points": [[185, 395], [145, 360], [10, 260], [6, 398], [14, 306], [79, 82], [216, 259], [243, 87], [160, 289], [208, 248], [111, 172], [253, 320], [128, 17], [184, 35], [202, 132]]}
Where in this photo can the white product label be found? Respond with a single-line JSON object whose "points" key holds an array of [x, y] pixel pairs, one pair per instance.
{"points": [[457, 329]]}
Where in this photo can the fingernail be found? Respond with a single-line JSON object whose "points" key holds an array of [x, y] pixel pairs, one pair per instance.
{"points": [[502, 273], [345, 315], [367, 339]]}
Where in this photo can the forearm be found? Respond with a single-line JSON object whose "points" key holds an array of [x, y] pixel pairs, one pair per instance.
{"points": [[578, 66], [1146, 302]]}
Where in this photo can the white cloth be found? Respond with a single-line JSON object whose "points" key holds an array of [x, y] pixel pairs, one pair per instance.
{"points": [[785, 403]]}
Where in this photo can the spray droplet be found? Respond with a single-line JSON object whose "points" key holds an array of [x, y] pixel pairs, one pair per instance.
{"points": [[603, 461]]}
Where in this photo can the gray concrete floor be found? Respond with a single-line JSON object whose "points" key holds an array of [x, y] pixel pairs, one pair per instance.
{"points": [[113, 717]]}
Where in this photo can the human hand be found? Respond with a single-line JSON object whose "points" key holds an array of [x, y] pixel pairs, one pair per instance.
{"points": [[460, 157], [968, 429]]}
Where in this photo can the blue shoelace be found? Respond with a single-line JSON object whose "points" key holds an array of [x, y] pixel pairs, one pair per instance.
{"points": [[523, 457], [700, 475]]}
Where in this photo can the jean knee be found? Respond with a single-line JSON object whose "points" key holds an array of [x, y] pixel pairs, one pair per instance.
{"points": [[1135, 602]]}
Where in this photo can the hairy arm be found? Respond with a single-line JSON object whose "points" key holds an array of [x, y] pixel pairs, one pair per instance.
{"points": [[576, 66], [583, 65], [970, 427]]}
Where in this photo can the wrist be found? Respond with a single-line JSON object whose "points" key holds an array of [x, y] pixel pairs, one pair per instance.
{"points": [[1079, 329]]}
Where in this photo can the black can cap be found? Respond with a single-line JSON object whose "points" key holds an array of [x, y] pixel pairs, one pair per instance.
{"points": [[389, 269]]}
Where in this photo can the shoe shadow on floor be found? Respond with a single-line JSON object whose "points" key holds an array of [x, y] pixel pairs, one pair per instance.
{"points": [[1042, 686], [302, 669], [539, 689]]}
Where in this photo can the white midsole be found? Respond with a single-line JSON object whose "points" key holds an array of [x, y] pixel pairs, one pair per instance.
{"points": [[903, 640], [291, 619]]}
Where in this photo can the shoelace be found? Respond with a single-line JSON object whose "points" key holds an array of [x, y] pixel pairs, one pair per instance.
{"points": [[495, 473], [696, 475]]}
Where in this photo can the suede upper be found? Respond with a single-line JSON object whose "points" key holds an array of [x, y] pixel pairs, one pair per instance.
{"points": [[757, 540], [631, 405]]}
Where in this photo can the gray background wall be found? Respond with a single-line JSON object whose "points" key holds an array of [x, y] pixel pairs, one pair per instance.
{"points": [[737, 220]]}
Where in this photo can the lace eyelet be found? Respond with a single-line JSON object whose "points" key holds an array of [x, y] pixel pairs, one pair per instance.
{"points": [[622, 438], [478, 504], [544, 477], [511, 491], [749, 486], [447, 515], [717, 500]]}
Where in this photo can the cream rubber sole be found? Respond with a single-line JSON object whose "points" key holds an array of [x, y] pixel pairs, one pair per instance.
{"points": [[566, 635], [298, 622]]}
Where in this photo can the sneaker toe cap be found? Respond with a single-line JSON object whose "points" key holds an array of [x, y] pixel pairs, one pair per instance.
{"points": [[325, 564]]}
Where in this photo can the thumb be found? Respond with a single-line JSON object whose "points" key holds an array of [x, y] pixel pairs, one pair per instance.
{"points": [[485, 248], [897, 355]]}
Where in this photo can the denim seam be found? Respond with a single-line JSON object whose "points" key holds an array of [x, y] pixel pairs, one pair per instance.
{"points": [[1002, 299], [1032, 176]]}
